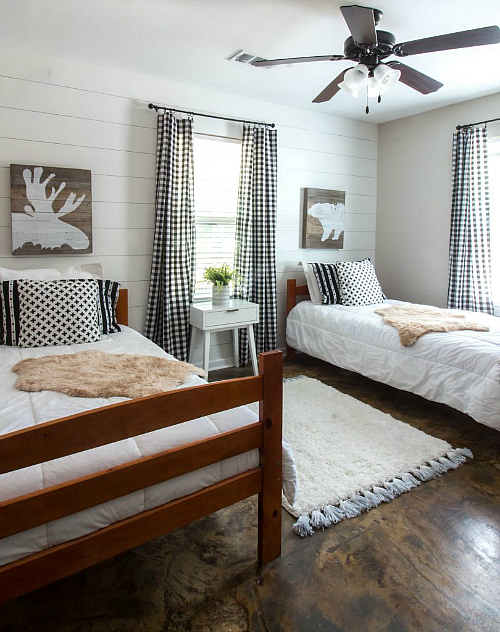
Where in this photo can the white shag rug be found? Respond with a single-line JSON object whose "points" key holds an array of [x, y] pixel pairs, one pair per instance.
{"points": [[351, 457]]}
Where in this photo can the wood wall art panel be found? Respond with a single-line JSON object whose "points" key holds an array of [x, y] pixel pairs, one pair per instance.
{"points": [[324, 219], [51, 210]]}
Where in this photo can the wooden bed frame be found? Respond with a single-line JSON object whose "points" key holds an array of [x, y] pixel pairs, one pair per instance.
{"points": [[101, 426], [292, 291]]}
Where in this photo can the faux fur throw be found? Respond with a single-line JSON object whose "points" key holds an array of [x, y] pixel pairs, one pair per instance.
{"points": [[99, 374], [413, 321]]}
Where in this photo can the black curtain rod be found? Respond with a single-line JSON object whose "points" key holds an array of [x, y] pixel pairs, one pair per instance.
{"points": [[478, 123], [152, 106]]}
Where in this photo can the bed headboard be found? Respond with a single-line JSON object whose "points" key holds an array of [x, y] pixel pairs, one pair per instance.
{"points": [[122, 307], [292, 291]]}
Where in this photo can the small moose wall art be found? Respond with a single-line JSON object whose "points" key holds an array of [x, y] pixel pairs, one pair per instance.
{"points": [[51, 209]]}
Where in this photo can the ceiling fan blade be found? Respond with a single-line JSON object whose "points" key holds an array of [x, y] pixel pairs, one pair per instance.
{"points": [[331, 89], [297, 60], [361, 23], [462, 39], [415, 79]]}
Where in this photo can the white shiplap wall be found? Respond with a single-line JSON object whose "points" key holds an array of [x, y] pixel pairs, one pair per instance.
{"points": [[60, 112]]}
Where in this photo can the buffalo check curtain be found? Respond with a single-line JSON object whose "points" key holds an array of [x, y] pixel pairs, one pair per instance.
{"points": [[255, 251], [470, 255], [172, 270]]}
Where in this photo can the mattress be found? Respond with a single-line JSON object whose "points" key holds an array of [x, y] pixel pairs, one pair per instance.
{"points": [[459, 368], [21, 410]]}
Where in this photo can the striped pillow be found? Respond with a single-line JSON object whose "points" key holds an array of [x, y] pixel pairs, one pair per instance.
{"points": [[9, 313], [326, 277], [106, 309]]}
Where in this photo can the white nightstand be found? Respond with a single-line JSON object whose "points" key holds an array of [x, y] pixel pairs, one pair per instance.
{"points": [[207, 317]]}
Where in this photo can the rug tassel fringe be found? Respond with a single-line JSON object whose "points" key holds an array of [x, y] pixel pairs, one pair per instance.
{"points": [[329, 515]]}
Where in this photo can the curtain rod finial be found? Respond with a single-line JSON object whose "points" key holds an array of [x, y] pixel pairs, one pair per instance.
{"points": [[151, 106]]}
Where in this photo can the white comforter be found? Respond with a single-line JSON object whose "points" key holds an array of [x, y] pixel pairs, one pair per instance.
{"points": [[21, 410], [460, 368]]}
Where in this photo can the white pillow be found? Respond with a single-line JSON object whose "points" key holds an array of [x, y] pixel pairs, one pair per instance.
{"points": [[312, 284], [85, 271], [93, 269]]}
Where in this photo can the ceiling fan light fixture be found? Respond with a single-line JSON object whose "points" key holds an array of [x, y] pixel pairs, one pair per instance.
{"points": [[373, 87], [346, 88], [386, 77], [355, 79]]}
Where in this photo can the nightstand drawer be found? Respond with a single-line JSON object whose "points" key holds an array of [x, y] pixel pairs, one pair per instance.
{"points": [[231, 317]]}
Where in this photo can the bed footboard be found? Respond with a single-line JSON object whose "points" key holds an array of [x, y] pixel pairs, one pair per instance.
{"points": [[119, 421]]}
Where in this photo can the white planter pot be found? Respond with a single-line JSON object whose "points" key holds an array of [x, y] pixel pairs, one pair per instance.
{"points": [[220, 295]]}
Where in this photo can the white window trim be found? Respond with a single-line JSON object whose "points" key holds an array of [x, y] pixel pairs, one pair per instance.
{"points": [[228, 221]]}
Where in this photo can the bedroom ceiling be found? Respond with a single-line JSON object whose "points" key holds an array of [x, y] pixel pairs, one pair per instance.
{"points": [[191, 41]]}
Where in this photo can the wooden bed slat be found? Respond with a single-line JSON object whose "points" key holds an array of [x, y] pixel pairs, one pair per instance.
{"points": [[31, 510], [100, 426], [60, 561]]}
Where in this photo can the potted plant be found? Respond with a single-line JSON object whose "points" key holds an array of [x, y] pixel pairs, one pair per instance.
{"points": [[220, 277]]}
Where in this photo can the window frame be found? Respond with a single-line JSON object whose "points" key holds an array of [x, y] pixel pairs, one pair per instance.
{"points": [[204, 294]]}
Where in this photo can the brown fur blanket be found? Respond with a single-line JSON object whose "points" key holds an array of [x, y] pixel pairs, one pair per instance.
{"points": [[99, 374], [413, 321]]}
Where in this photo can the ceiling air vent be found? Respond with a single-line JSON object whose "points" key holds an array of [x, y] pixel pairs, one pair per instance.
{"points": [[245, 58]]}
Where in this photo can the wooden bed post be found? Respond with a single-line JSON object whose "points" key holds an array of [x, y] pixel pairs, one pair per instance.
{"points": [[122, 307], [291, 288], [270, 413]]}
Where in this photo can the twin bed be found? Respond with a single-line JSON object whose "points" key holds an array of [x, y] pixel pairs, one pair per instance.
{"points": [[459, 368], [82, 480]]}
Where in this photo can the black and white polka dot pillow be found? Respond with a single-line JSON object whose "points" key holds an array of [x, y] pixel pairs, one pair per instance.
{"points": [[57, 312], [358, 283]]}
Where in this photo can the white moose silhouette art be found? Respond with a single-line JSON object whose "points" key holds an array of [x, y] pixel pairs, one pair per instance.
{"points": [[39, 223], [331, 217]]}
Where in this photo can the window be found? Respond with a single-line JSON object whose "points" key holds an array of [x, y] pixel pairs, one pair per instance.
{"points": [[216, 177], [494, 182]]}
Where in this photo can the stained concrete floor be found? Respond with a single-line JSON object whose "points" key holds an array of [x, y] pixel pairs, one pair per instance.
{"points": [[428, 561]]}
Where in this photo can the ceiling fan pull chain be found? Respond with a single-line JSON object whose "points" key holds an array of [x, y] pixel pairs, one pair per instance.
{"points": [[367, 108]]}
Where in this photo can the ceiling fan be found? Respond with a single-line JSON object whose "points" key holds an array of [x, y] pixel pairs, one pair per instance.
{"points": [[370, 47]]}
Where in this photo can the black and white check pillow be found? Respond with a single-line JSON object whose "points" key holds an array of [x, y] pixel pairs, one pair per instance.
{"points": [[57, 312], [358, 283], [326, 278]]}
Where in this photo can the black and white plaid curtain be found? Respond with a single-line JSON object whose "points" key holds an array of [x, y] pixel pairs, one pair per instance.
{"points": [[255, 254], [172, 270], [470, 255]]}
